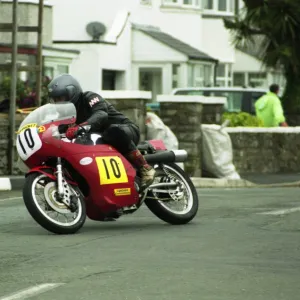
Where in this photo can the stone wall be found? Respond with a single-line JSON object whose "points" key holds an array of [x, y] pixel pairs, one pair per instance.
{"points": [[184, 115], [255, 150], [265, 150], [185, 121], [212, 111]]}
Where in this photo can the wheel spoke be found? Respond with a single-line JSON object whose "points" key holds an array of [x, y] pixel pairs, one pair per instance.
{"points": [[180, 196]]}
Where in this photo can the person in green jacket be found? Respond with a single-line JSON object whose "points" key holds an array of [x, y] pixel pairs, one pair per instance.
{"points": [[269, 109]]}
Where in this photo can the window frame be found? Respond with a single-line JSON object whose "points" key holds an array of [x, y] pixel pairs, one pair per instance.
{"points": [[180, 3], [261, 80], [22, 75], [228, 75], [230, 8], [50, 62], [176, 72], [146, 2], [193, 80], [243, 75]]}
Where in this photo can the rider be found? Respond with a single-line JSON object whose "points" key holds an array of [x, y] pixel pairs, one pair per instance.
{"points": [[116, 129]]}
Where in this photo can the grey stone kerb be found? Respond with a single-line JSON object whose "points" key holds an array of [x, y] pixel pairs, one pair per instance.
{"points": [[183, 114]]}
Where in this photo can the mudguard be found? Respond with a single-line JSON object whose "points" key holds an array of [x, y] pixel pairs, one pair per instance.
{"points": [[48, 171]]}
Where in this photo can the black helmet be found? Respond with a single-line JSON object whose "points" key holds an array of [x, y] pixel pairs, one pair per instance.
{"points": [[64, 88]]}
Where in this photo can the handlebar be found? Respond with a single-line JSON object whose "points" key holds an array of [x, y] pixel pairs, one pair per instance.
{"points": [[60, 131]]}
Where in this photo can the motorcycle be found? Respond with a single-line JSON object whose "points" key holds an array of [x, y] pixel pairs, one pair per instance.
{"points": [[69, 180]]}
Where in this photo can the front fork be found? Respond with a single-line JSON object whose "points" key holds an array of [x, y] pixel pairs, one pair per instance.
{"points": [[59, 175], [62, 185]]}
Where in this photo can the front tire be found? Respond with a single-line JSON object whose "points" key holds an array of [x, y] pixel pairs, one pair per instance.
{"points": [[158, 208], [41, 217]]}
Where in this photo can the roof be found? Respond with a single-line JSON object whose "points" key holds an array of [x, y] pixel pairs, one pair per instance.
{"points": [[174, 43]]}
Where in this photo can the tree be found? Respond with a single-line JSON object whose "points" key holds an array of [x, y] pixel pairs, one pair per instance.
{"points": [[276, 23]]}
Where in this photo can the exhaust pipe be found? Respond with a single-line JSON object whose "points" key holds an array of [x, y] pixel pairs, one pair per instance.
{"points": [[180, 155], [167, 156]]}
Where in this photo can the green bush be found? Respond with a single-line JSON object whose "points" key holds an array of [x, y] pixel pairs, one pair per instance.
{"points": [[5, 87], [241, 119]]}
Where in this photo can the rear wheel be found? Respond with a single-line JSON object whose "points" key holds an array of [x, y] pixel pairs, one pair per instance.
{"points": [[39, 194], [183, 195]]}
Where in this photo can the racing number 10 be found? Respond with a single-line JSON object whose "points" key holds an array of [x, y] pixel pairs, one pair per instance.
{"points": [[28, 142], [28, 139], [111, 170]]}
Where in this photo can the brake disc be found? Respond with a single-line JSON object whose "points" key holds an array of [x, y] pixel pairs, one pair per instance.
{"points": [[50, 193]]}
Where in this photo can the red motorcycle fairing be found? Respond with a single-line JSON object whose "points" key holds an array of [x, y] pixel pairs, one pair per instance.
{"points": [[110, 177]]}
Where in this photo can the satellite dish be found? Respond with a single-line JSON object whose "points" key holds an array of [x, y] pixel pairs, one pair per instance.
{"points": [[95, 30]]}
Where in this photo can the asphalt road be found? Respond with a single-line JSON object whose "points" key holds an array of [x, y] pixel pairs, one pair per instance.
{"points": [[232, 250]]}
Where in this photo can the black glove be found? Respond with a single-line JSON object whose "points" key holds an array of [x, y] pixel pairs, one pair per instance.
{"points": [[62, 128]]}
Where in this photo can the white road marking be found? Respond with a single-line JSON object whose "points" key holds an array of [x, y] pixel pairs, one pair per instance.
{"points": [[32, 291], [8, 199], [280, 212]]}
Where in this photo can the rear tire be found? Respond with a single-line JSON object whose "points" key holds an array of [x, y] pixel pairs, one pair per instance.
{"points": [[171, 217], [40, 218]]}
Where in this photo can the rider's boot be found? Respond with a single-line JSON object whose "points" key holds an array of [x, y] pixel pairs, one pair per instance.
{"points": [[147, 173]]}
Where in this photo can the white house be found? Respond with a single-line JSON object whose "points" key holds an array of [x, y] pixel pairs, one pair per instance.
{"points": [[155, 45], [152, 45]]}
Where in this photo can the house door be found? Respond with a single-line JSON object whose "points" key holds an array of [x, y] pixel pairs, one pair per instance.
{"points": [[150, 79], [108, 80]]}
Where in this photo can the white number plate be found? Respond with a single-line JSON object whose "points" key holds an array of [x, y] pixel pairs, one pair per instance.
{"points": [[28, 142]]}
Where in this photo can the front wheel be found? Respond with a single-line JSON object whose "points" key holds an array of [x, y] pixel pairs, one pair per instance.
{"points": [[183, 193], [39, 195]]}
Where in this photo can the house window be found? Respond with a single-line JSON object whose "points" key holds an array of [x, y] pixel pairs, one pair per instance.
{"points": [[239, 79], [221, 70], [63, 69], [175, 75], [171, 2], [257, 79], [49, 72], [208, 75], [54, 66], [146, 2], [191, 3], [232, 6], [208, 4], [224, 72], [221, 75], [21, 75], [221, 6], [200, 75]]}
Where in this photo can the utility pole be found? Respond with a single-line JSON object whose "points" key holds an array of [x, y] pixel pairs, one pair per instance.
{"points": [[39, 56], [13, 87], [14, 28]]}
